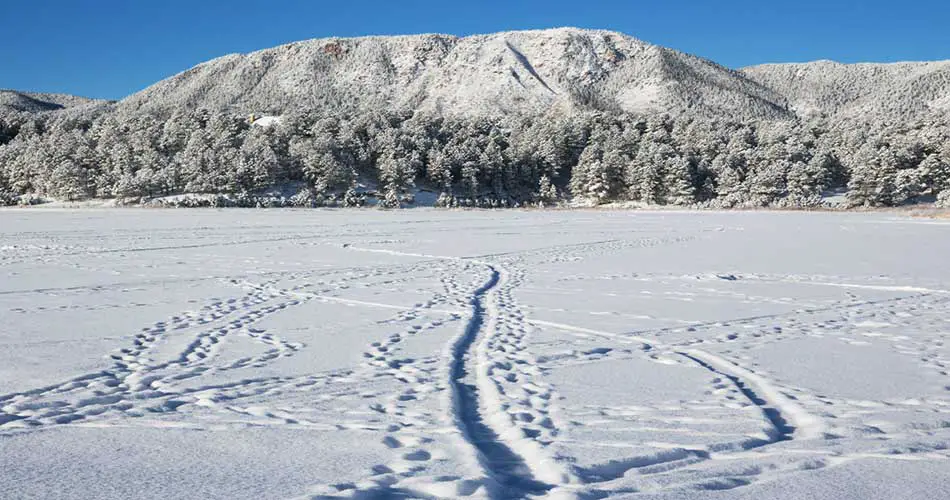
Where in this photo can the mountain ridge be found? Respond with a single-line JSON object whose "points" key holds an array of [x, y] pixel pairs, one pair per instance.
{"points": [[26, 101], [529, 72], [887, 90]]}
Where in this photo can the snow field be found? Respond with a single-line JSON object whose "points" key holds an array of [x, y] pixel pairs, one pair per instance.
{"points": [[439, 354]]}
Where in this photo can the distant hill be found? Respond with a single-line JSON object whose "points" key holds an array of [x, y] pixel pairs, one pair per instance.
{"points": [[897, 91], [32, 102]]}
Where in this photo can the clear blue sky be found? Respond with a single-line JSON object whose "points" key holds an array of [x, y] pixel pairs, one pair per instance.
{"points": [[111, 48]]}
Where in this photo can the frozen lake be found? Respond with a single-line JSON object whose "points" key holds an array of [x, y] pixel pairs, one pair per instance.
{"points": [[438, 354]]}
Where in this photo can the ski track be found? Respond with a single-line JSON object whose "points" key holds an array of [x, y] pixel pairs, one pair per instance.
{"points": [[486, 392], [510, 433], [790, 421], [497, 402], [473, 416]]}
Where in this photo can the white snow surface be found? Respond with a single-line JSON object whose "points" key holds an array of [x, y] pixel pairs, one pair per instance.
{"points": [[472, 354], [268, 121]]}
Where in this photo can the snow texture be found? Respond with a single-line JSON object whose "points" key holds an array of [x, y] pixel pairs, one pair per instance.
{"points": [[472, 354]]}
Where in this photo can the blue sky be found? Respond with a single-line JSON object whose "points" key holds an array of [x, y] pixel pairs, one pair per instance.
{"points": [[111, 48]]}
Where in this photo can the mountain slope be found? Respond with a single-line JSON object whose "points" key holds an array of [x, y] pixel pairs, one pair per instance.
{"points": [[863, 91], [33, 102], [527, 72]]}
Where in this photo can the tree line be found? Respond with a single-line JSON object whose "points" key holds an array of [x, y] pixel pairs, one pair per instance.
{"points": [[335, 158]]}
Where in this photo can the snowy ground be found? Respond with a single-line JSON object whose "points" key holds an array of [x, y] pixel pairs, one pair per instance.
{"points": [[311, 354]]}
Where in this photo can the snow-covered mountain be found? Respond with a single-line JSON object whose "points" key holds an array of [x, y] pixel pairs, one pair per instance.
{"points": [[883, 91], [32, 102], [523, 72], [529, 73]]}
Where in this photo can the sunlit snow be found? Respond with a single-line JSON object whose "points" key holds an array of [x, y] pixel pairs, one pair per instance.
{"points": [[446, 354]]}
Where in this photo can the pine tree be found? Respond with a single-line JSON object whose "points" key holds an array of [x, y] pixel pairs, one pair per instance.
{"points": [[493, 162], [352, 198], [197, 162], [872, 178], [547, 192], [68, 181], [934, 174], [679, 182], [259, 164]]}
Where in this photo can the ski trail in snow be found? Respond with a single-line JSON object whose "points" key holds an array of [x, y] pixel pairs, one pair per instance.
{"points": [[790, 420], [883, 288], [517, 464], [501, 463], [624, 337], [401, 254], [489, 367]]}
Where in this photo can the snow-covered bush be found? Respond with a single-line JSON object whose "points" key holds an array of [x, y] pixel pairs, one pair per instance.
{"points": [[943, 199]]}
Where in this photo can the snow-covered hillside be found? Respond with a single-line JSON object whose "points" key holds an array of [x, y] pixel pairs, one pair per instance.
{"points": [[31, 102], [529, 73], [895, 92], [532, 72], [452, 354], [525, 72]]}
